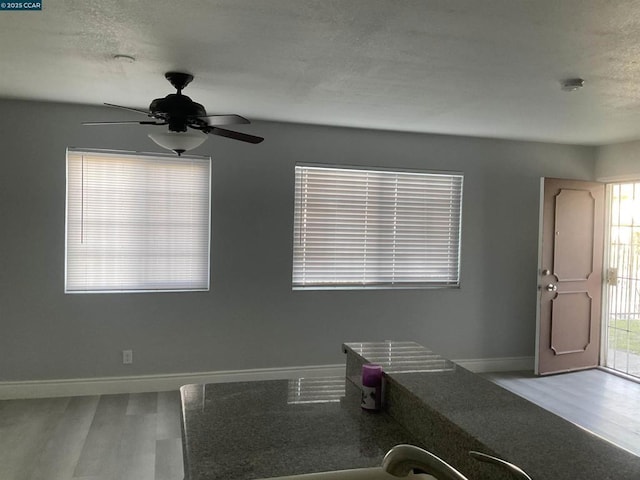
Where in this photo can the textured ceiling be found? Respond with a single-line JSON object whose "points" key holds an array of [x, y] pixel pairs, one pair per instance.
{"points": [[472, 67]]}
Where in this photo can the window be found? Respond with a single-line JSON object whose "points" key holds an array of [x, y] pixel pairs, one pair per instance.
{"points": [[622, 295], [136, 222], [357, 228]]}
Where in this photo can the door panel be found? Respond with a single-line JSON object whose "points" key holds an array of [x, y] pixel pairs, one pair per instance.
{"points": [[569, 332], [574, 215], [570, 276]]}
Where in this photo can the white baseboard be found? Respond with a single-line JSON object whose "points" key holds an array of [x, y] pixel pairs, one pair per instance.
{"points": [[155, 383], [159, 383], [502, 364]]}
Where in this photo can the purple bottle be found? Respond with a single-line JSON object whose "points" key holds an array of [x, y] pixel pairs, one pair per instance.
{"points": [[371, 387]]}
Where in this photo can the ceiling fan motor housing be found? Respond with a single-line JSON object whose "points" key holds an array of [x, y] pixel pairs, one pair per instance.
{"points": [[179, 111]]}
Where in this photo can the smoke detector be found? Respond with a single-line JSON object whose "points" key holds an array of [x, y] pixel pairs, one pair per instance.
{"points": [[119, 57]]}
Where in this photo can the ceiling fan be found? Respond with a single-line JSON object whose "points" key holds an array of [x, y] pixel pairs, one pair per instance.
{"points": [[183, 115]]}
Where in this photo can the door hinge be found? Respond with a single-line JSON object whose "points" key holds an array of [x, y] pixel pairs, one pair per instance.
{"points": [[612, 276]]}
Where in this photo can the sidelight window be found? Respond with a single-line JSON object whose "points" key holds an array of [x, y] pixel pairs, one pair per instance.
{"points": [[622, 294]]}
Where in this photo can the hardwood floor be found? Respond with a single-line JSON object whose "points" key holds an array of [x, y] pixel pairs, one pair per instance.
{"points": [[598, 401], [108, 437]]}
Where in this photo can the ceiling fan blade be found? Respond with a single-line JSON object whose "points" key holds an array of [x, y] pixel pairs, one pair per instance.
{"points": [[144, 112], [127, 122], [243, 137], [231, 119]]}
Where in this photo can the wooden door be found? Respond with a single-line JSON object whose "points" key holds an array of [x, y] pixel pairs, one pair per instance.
{"points": [[569, 276]]}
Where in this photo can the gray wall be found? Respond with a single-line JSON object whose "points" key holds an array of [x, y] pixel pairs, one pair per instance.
{"points": [[251, 318], [618, 162]]}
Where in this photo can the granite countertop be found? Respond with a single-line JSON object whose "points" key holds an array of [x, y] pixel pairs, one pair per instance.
{"points": [[451, 411], [253, 430], [510, 427], [258, 430]]}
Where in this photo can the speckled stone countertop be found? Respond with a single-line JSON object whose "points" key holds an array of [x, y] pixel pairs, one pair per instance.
{"points": [[451, 411], [253, 430], [257, 430]]}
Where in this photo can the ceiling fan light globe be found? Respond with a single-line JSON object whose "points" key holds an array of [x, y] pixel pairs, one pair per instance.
{"points": [[179, 142]]}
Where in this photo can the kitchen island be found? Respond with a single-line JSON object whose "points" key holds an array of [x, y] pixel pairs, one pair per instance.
{"points": [[254, 430]]}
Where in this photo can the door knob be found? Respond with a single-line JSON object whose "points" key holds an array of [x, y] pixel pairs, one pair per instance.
{"points": [[551, 288]]}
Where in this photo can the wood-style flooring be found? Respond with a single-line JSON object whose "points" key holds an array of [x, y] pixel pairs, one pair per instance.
{"points": [[596, 400], [107, 437]]}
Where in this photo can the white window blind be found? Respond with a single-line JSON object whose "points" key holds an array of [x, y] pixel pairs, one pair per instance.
{"points": [[137, 222], [376, 228]]}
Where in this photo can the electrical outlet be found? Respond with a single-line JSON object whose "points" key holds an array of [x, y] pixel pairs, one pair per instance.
{"points": [[127, 357]]}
